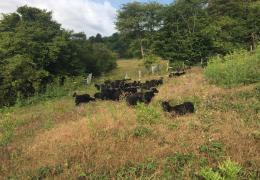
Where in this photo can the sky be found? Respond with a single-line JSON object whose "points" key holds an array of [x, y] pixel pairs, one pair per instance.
{"points": [[89, 16]]}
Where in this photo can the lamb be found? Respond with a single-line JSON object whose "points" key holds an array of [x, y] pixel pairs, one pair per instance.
{"points": [[182, 109], [84, 98]]}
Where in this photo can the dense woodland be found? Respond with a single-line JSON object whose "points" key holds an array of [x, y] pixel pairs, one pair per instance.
{"points": [[35, 50]]}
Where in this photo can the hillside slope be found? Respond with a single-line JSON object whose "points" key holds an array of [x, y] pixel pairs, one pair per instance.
{"points": [[104, 140]]}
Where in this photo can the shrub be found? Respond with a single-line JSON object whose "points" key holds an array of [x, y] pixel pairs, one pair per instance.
{"points": [[147, 114], [209, 174], [230, 169], [237, 68], [227, 170]]}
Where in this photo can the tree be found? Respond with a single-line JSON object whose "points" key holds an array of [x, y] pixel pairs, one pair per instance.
{"points": [[138, 21], [181, 36]]}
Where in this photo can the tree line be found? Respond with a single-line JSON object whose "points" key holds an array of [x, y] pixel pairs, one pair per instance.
{"points": [[35, 50], [186, 30]]}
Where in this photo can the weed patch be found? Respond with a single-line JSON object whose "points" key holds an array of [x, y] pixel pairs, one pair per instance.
{"points": [[147, 114], [141, 131], [141, 170], [226, 170]]}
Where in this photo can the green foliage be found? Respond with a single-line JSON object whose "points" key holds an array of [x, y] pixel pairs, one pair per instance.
{"points": [[150, 59], [142, 131], [147, 114], [190, 30], [240, 67], [209, 174], [119, 44], [35, 50], [176, 163], [47, 171], [178, 65], [141, 170], [228, 170], [7, 128], [214, 150]]}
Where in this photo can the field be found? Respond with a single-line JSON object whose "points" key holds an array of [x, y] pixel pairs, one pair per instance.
{"points": [[55, 139]]}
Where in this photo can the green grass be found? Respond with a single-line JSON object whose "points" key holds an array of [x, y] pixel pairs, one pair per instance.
{"points": [[141, 131], [147, 114], [7, 127], [238, 68]]}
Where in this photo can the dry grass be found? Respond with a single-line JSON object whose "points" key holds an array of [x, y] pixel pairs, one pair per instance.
{"points": [[98, 137]]}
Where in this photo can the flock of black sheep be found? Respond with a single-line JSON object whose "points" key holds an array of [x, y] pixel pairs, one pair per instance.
{"points": [[134, 92]]}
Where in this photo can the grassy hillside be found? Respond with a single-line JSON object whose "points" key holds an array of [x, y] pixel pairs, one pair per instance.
{"points": [[109, 140]]}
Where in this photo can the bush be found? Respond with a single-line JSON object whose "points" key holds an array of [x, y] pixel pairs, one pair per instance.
{"points": [[227, 170], [147, 114], [237, 68]]}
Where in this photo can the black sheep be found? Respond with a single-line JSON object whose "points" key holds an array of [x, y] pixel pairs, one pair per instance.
{"points": [[131, 89], [178, 73], [109, 94], [182, 109], [148, 95], [133, 99], [84, 98], [145, 97], [99, 96]]}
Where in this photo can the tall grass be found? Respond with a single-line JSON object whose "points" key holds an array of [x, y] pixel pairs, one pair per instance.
{"points": [[238, 68]]}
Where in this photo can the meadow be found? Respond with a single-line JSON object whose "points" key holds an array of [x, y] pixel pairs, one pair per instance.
{"points": [[54, 139]]}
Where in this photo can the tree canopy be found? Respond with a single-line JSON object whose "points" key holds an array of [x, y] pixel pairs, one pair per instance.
{"points": [[190, 30]]}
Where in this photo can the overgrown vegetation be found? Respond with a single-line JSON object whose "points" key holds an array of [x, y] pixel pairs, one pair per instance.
{"points": [[238, 68], [147, 114], [226, 170], [35, 51]]}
